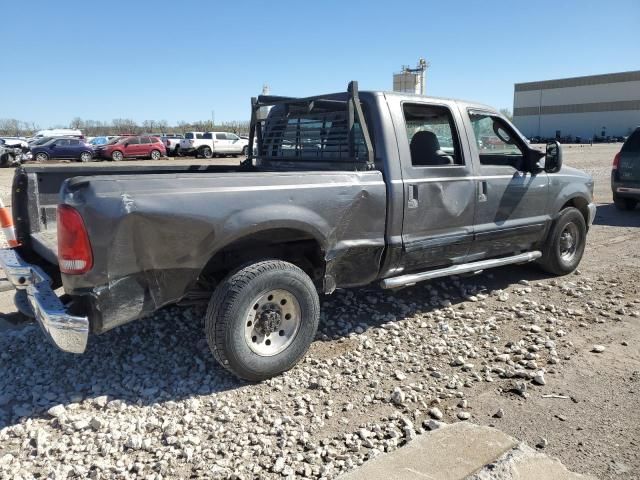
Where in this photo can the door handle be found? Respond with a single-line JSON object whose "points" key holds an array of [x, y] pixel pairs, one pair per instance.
{"points": [[413, 197], [482, 191]]}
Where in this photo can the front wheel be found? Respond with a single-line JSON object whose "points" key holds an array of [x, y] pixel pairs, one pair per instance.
{"points": [[155, 155], [565, 244], [625, 203], [245, 151], [42, 157], [262, 319], [117, 156]]}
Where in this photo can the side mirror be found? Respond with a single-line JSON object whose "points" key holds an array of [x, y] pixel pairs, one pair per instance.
{"points": [[126, 145], [553, 157]]}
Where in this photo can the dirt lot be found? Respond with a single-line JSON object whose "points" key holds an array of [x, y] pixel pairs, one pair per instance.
{"points": [[381, 363]]}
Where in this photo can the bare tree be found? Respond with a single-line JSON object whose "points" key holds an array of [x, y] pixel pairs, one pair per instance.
{"points": [[507, 113]]}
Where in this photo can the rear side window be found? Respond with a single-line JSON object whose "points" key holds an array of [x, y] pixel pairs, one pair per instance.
{"points": [[319, 135], [433, 141], [633, 142], [145, 140], [74, 142], [199, 136], [207, 136]]}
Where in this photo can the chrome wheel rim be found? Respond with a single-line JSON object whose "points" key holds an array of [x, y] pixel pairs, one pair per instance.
{"points": [[155, 155], [85, 157], [206, 152], [41, 157], [568, 242], [272, 322], [117, 156]]}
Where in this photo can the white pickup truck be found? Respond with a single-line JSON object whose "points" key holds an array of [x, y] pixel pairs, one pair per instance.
{"points": [[210, 144]]}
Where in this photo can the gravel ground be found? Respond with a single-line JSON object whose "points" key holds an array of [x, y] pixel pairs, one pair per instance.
{"points": [[552, 361]]}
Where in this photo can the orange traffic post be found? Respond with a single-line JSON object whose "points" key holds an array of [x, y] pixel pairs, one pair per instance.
{"points": [[6, 222]]}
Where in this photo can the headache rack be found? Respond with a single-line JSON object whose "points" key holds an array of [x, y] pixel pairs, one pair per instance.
{"points": [[329, 130]]}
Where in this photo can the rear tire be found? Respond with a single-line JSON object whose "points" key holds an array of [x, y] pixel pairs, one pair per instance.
{"points": [[155, 155], [245, 151], [565, 243], [625, 203], [262, 319], [85, 157], [206, 152]]}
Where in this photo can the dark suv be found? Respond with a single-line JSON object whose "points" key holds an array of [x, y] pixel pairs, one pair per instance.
{"points": [[64, 147], [625, 174]]}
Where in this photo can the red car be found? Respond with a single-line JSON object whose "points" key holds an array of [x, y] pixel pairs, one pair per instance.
{"points": [[134, 146]]}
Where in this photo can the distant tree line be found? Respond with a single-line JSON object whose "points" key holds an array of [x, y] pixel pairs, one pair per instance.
{"points": [[92, 128]]}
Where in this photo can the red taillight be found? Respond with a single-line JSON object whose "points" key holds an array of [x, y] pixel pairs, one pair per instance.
{"points": [[616, 161], [74, 249]]}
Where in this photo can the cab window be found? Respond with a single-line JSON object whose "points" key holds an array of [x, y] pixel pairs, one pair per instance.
{"points": [[497, 143], [433, 140]]}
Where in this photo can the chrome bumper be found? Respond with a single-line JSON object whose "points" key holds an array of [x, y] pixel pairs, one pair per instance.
{"points": [[67, 332], [592, 213]]}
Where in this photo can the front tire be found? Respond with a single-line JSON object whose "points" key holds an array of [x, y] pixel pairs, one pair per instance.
{"points": [[42, 157], [117, 156], [625, 203], [565, 243], [245, 151], [262, 319]]}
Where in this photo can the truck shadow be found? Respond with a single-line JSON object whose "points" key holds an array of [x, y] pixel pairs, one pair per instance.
{"points": [[609, 215], [166, 357]]}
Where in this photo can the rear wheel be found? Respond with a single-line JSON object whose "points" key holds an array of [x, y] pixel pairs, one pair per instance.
{"points": [[565, 244], [206, 152], [117, 156], [245, 151], [262, 319], [155, 155], [85, 157], [625, 203]]}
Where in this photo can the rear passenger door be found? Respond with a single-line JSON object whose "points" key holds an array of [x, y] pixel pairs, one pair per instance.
{"points": [[511, 213], [221, 145], [439, 187]]}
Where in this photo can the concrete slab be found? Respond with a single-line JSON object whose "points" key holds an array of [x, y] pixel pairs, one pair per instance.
{"points": [[525, 463], [450, 453]]}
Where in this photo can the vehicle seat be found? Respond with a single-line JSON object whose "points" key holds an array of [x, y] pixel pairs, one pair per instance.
{"points": [[425, 150]]}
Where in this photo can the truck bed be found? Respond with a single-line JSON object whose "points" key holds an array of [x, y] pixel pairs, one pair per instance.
{"points": [[36, 194]]}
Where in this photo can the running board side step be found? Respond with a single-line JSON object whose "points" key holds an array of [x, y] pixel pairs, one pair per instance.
{"points": [[413, 278]]}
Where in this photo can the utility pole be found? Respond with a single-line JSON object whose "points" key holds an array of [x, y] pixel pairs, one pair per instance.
{"points": [[213, 118]]}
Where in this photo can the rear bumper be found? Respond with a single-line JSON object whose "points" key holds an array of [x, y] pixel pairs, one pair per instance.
{"points": [[67, 332], [627, 192]]}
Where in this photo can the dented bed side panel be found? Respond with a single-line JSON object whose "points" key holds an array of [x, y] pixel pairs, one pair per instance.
{"points": [[152, 235]]}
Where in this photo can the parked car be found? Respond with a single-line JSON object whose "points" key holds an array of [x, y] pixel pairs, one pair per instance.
{"points": [[625, 173], [172, 143], [10, 156], [14, 142], [102, 140], [131, 147], [214, 144], [59, 132], [63, 148], [364, 199]]}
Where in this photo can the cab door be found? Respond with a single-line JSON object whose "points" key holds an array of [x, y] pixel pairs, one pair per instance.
{"points": [[511, 214], [439, 187]]}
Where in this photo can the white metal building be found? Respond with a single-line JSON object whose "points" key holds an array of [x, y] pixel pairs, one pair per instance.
{"points": [[596, 105], [411, 80]]}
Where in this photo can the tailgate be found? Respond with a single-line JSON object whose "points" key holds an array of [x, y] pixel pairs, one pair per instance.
{"points": [[629, 167]]}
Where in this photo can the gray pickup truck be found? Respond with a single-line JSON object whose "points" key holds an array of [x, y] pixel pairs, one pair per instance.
{"points": [[342, 190]]}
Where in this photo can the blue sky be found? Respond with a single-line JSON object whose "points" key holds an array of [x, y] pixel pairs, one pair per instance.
{"points": [[180, 60]]}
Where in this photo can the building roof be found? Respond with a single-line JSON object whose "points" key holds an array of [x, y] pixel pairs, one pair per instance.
{"points": [[579, 81]]}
